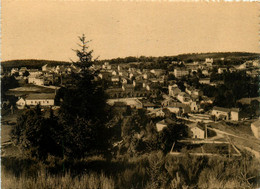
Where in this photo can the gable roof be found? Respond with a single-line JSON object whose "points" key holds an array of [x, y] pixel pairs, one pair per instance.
{"points": [[39, 96], [221, 109]]}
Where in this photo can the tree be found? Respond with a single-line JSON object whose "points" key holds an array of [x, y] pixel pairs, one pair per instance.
{"points": [[38, 136], [79, 130], [83, 112]]}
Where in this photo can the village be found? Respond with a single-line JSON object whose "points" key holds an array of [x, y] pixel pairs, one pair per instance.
{"points": [[159, 92]]}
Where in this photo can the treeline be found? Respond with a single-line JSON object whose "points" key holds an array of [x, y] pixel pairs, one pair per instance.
{"points": [[229, 56], [30, 63]]}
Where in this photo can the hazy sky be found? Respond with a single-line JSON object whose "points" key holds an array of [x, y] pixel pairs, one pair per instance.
{"points": [[49, 29]]}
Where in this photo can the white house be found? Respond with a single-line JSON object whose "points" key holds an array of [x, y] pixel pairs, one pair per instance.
{"points": [[197, 132], [234, 114], [106, 66], [178, 72], [184, 98], [204, 81], [20, 103], [36, 80], [173, 90], [161, 125], [220, 113], [222, 70], [226, 113], [255, 127], [14, 70], [43, 99], [209, 61]]}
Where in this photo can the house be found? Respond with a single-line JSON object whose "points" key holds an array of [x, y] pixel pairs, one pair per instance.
{"points": [[180, 72], [209, 62], [132, 102], [204, 81], [14, 70], [194, 92], [149, 106], [106, 66], [226, 113], [256, 63], [221, 113], [20, 103], [255, 127], [231, 70], [184, 98], [161, 125], [34, 72], [197, 131], [47, 68], [105, 75], [128, 87], [115, 79], [234, 114], [159, 113], [222, 70], [205, 72], [178, 108], [22, 70], [36, 80], [173, 90], [43, 99], [158, 72], [194, 106]]}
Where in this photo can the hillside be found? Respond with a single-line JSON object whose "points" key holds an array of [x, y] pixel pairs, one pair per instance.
{"points": [[233, 56], [229, 56], [31, 63]]}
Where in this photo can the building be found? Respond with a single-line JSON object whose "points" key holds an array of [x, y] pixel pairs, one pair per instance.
{"points": [[197, 131], [161, 125], [132, 102], [226, 113], [43, 99], [36, 80], [22, 70], [14, 70], [255, 127], [209, 62], [221, 113], [184, 98], [222, 70], [173, 90], [180, 72], [234, 114], [106, 66], [20, 103], [205, 81]]}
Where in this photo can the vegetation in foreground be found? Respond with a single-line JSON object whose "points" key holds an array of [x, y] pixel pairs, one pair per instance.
{"points": [[147, 171]]}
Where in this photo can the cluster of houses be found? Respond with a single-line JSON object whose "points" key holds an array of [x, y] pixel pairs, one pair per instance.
{"points": [[48, 75], [134, 88]]}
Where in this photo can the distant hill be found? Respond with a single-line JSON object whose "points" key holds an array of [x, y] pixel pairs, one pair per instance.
{"points": [[234, 56], [31, 63], [218, 55]]}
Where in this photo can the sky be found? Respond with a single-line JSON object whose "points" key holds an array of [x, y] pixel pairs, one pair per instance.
{"points": [[50, 29]]}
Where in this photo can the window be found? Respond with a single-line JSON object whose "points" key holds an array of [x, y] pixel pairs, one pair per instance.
{"points": [[47, 102], [31, 102]]}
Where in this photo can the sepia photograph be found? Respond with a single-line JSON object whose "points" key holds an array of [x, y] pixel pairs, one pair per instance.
{"points": [[130, 94]]}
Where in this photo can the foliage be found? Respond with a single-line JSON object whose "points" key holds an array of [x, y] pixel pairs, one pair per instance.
{"points": [[8, 82]]}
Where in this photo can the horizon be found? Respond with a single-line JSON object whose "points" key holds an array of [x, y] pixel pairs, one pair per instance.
{"points": [[49, 30], [199, 53]]}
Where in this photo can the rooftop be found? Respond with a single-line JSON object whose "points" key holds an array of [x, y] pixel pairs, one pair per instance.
{"points": [[39, 96]]}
